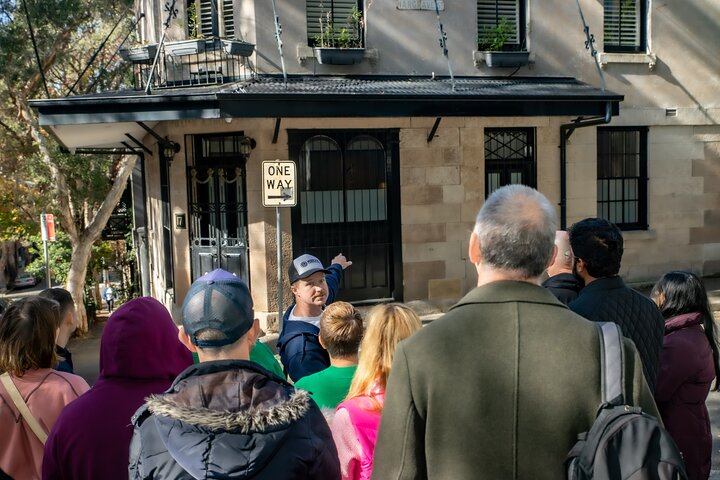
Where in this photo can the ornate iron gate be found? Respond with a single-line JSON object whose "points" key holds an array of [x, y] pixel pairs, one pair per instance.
{"points": [[218, 208], [349, 202]]}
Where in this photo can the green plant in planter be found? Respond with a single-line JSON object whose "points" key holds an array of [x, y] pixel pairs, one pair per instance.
{"points": [[193, 22], [349, 36], [492, 39]]}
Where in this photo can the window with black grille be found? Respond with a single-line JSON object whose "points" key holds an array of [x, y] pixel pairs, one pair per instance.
{"points": [[509, 157], [501, 25], [622, 176], [210, 18], [624, 25]]}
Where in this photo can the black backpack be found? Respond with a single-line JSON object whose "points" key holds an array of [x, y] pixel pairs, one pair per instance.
{"points": [[623, 442]]}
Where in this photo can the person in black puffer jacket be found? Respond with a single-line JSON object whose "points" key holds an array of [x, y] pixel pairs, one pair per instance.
{"points": [[598, 247], [227, 417], [561, 281]]}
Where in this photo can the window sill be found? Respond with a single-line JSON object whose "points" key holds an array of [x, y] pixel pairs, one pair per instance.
{"points": [[631, 235], [305, 52], [641, 58], [524, 58]]}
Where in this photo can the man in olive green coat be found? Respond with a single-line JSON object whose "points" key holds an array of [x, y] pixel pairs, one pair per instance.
{"points": [[500, 387]]}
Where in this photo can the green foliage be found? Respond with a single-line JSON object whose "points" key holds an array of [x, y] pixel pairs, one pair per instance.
{"points": [[348, 36], [493, 39], [193, 21]]}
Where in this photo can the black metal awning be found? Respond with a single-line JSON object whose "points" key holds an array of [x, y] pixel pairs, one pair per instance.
{"points": [[109, 120]]}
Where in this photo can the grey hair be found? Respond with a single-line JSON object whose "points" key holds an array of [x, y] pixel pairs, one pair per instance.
{"points": [[516, 230]]}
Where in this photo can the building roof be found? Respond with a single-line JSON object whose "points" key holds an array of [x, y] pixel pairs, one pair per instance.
{"points": [[105, 120]]}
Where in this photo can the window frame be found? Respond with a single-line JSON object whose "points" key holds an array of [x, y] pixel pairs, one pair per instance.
{"points": [[525, 165], [221, 22], [521, 5], [337, 22], [641, 47], [641, 222]]}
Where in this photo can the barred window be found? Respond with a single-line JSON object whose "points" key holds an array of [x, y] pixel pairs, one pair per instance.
{"points": [[622, 177], [509, 158]]}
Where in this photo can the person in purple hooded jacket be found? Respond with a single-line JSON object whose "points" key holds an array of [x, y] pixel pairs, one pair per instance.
{"points": [[688, 365], [140, 355]]}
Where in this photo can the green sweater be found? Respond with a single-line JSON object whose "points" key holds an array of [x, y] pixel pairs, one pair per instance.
{"points": [[328, 387]]}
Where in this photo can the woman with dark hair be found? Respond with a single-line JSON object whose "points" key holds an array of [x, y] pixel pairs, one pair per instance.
{"points": [[688, 365], [32, 394]]}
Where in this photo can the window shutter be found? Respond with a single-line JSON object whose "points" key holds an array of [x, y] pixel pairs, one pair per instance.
{"points": [[490, 12], [205, 17], [228, 30], [317, 9], [622, 24]]}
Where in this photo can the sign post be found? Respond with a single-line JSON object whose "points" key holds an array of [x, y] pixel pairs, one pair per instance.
{"points": [[47, 224], [279, 190]]}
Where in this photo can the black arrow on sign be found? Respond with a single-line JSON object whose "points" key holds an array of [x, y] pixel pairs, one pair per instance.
{"points": [[284, 195]]}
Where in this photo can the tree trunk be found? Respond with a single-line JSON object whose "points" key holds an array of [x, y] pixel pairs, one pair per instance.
{"points": [[81, 251]]}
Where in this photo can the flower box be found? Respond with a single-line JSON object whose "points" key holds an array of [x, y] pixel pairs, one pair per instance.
{"points": [[238, 47], [506, 59], [144, 54], [185, 47], [339, 56]]}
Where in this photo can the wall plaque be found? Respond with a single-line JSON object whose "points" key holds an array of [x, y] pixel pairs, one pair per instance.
{"points": [[420, 5]]}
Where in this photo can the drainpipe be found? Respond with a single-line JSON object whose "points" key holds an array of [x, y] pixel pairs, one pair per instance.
{"points": [[566, 130]]}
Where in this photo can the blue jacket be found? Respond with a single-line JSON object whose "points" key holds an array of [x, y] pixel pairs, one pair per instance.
{"points": [[299, 345]]}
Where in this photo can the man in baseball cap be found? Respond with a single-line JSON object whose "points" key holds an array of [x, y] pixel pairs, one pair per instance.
{"points": [[313, 287], [227, 404]]}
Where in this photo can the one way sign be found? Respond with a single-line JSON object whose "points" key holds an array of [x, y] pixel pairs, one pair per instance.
{"points": [[279, 187]]}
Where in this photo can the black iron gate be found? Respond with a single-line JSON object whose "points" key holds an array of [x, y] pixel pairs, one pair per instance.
{"points": [[217, 204], [349, 202]]}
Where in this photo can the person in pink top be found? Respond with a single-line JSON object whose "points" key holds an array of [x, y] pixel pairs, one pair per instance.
{"points": [[357, 418], [27, 355]]}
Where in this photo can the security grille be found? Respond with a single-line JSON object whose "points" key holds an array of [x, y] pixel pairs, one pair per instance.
{"points": [[509, 158], [349, 202]]}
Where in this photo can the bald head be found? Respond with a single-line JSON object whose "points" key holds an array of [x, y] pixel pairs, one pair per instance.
{"points": [[516, 231], [564, 258]]}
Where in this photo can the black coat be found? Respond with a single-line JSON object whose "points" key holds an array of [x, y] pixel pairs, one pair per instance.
{"points": [[564, 286], [231, 419], [610, 300]]}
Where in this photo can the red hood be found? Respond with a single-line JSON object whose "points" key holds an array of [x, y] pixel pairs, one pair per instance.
{"points": [[682, 321]]}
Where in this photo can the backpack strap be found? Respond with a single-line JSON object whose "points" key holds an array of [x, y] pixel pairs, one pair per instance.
{"points": [[612, 363], [23, 408]]}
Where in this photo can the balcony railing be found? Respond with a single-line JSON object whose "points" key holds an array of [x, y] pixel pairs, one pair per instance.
{"points": [[187, 63]]}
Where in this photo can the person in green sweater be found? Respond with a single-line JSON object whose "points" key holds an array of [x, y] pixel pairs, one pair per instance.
{"points": [[341, 330]]}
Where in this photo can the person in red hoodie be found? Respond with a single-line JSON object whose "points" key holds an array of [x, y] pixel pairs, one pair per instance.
{"points": [[140, 354], [688, 365]]}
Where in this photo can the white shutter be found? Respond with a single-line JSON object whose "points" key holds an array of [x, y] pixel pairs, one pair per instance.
{"points": [[622, 24], [205, 17], [490, 12], [228, 23], [316, 10]]}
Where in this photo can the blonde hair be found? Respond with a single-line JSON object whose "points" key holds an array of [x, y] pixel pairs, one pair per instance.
{"points": [[387, 326], [341, 329]]}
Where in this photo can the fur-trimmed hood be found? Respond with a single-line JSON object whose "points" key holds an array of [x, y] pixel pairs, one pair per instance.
{"points": [[226, 417]]}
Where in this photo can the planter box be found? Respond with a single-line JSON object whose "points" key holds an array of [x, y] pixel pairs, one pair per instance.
{"points": [[185, 47], [238, 47], [144, 54], [339, 56], [506, 59]]}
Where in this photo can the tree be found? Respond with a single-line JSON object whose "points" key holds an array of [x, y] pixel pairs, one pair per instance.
{"points": [[81, 190]]}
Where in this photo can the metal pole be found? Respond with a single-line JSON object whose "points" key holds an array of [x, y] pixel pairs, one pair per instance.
{"points": [[47, 263], [279, 263]]}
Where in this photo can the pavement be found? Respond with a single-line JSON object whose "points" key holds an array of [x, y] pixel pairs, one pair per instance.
{"points": [[85, 351]]}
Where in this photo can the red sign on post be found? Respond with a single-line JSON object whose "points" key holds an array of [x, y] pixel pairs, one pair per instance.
{"points": [[47, 221]]}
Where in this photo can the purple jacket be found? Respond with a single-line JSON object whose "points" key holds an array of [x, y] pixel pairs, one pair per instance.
{"points": [[140, 354], [683, 384]]}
